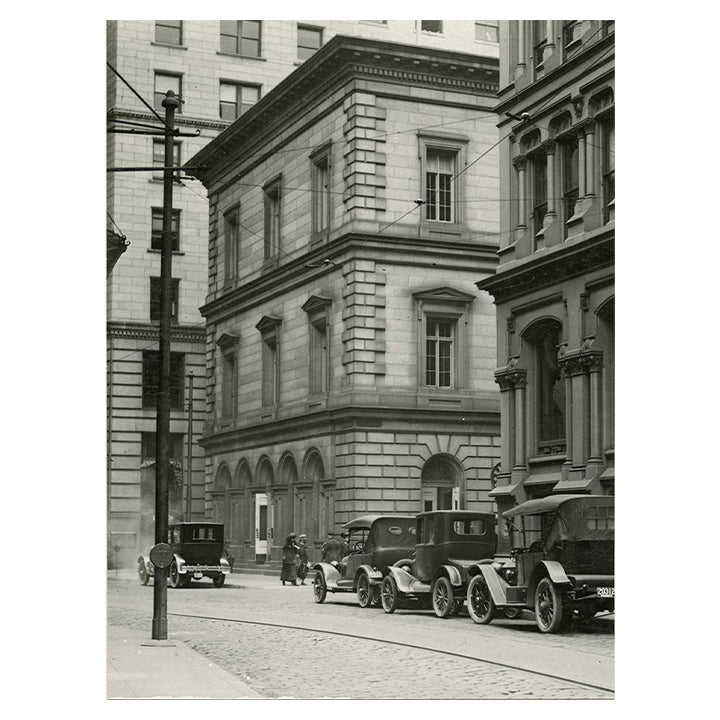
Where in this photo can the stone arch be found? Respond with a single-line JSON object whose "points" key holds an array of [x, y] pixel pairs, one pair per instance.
{"points": [[443, 482], [322, 496], [283, 496], [219, 494]]}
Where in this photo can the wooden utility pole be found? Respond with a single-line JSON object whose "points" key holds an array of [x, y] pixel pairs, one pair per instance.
{"points": [[162, 457]]}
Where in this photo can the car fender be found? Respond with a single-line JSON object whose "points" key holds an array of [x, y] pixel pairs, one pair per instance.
{"points": [[225, 567], [149, 567], [329, 571], [497, 585], [375, 576], [403, 579], [180, 562], [452, 574], [547, 568]]}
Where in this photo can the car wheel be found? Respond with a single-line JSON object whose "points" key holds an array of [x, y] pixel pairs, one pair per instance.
{"points": [[185, 580], [364, 592], [512, 613], [424, 601], [375, 600], [142, 573], [479, 601], [443, 597], [218, 580], [174, 576], [389, 594], [319, 587], [549, 606]]}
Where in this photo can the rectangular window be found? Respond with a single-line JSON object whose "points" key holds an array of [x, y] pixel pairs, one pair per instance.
{"points": [[310, 39], [572, 30], [155, 290], [539, 30], [240, 37], [229, 385], [168, 32], [237, 99], [608, 167], [149, 448], [439, 181], [321, 192], [538, 169], [269, 371], [151, 379], [319, 356], [486, 30], [433, 26], [571, 183], [439, 339], [157, 229], [163, 83], [159, 158], [272, 218], [232, 242]]}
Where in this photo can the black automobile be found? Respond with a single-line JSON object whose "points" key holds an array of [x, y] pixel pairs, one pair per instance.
{"points": [[562, 563], [199, 551]]}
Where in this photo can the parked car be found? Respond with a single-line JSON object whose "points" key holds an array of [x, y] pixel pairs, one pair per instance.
{"points": [[448, 543], [199, 551], [373, 541], [562, 562]]}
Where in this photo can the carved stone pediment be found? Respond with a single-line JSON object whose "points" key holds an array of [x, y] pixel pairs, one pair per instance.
{"points": [[315, 303], [268, 322], [444, 294]]}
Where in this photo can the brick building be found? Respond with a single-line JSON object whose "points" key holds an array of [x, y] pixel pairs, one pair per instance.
{"points": [[555, 284], [349, 353], [219, 69]]}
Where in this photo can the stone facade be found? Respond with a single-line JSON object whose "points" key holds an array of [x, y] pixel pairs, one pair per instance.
{"points": [[554, 286], [323, 401]]}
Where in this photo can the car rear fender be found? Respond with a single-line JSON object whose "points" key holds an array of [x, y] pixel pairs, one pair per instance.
{"points": [[551, 569], [375, 576], [451, 573], [180, 562], [145, 560], [403, 579], [329, 571], [497, 585]]}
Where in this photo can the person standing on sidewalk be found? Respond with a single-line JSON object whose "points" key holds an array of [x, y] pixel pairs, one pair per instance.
{"points": [[289, 553], [302, 558]]}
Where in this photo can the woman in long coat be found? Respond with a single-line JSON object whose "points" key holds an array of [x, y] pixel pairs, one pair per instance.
{"points": [[289, 551], [302, 559]]}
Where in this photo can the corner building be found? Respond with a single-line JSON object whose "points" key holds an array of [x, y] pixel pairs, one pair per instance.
{"points": [[554, 288], [219, 69], [349, 354]]}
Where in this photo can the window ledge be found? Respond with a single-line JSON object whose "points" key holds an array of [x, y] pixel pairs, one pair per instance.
{"points": [[168, 45], [243, 57], [158, 252], [550, 458]]}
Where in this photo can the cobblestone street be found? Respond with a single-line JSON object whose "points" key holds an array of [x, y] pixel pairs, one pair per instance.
{"points": [[383, 663]]}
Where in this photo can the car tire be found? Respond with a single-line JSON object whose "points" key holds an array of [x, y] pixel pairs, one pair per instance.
{"points": [[174, 576], [550, 606], [185, 580], [319, 587], [375, 600], [389, 594], [364, 590], [443, 597], [218, 580], [512, 613], [142, 573], [481, 607]]}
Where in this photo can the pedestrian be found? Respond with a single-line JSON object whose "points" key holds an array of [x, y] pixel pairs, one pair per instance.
{"points": [[302, 558], [289, 552], [334, 550]]}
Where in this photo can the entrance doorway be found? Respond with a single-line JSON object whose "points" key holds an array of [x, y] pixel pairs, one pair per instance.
{"points": [[263, 528]]}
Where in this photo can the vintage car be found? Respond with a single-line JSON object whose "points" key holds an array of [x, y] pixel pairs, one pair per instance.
{"points": [[373, 541], [562, 562], [448, 543], [199, 551]]}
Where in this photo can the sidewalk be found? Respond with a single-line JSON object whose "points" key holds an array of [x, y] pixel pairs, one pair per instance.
{"points": [[141, 668]]}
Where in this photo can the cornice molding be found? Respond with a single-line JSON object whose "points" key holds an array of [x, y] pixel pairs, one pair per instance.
{"points": [[139, 331], [180, 121]]}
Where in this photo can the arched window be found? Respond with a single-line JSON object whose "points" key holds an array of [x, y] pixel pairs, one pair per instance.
{"points": [[440, 476]]}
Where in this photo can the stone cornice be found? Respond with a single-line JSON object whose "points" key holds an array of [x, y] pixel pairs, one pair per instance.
{"points": [[141, 331], [180, 121]]}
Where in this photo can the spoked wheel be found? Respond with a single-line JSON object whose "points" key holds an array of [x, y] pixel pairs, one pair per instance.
{"points": [[443, 597], [479, 601], [142, 573], [549, 606], [364, 591], [319, 587], [185, 580], [218, 580], [389, 594], [457, 606], [375, 600], [174, 576]]}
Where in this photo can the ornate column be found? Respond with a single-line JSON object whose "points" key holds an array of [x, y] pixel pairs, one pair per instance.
{"points": [[520, 66], [549, 147], [507, 411], [519, 380], [593, 363], [588, 126], [520, 164], [550, 35]]}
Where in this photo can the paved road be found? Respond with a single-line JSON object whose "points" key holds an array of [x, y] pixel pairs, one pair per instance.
{"points": [[407, 655]]}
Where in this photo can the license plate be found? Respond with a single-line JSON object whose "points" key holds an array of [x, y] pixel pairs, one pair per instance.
{"points": [[607, 592]]}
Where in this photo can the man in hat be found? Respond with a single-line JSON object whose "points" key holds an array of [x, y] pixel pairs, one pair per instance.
{"points": [[302, 558]]}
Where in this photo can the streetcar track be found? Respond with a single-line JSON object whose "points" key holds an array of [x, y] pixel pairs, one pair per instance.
{"points": [[399, 643]]}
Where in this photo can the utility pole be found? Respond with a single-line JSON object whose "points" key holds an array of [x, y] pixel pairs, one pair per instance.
{"points": [[162, 457], [188, 498]]}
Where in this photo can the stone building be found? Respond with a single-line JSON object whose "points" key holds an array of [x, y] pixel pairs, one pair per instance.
{"points": [[554, 288], [350, 356], [219, 69]]}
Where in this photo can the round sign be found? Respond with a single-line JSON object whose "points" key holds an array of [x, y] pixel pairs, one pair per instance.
{"points": [[161, 555]]}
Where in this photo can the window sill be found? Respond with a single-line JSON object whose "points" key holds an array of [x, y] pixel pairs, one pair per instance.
{"points": [[547, 459], [242, 57], [155, 251], [168, 45]]}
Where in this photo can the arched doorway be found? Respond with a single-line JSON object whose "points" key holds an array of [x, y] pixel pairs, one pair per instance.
{"points": [[319, 498], [241, 509], [282, 499], [263, 523], [442, 483], [218, 495]]}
